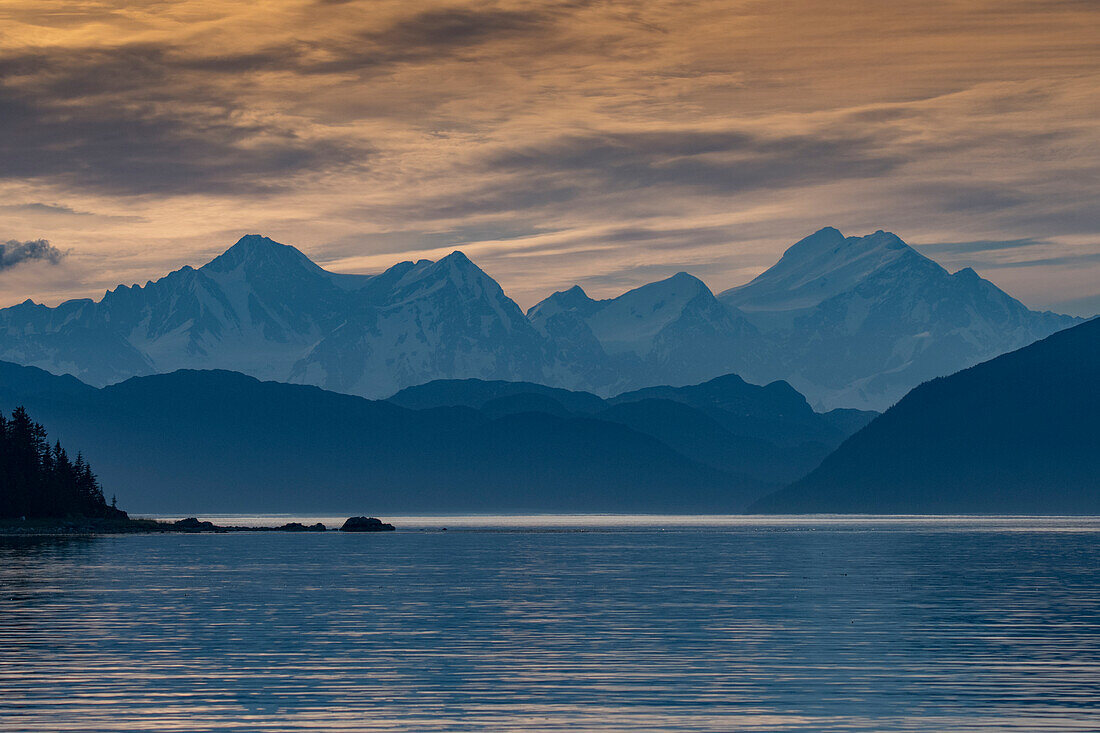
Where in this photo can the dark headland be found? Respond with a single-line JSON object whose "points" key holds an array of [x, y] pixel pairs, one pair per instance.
{"points": [[44, 492]]}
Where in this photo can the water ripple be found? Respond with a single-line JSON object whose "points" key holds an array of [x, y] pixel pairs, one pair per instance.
{"points": [[794, 625]]}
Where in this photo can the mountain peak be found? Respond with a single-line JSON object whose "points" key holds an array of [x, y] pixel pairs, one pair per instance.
{"points": [[253, 248], [458, 257], [685, 278], [460, 269], [831, 243], [455, 273], [573, 299], [251, 240], [818, 242], [671, 292], [253, 244], [881, 238], [818, 267], [633, 320]]}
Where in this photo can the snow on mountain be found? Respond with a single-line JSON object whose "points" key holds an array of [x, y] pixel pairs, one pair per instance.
{"points": [[257, 308], [848, 321], [673, 331], [424, 321], [859, 321], [822, 265], [635, 320], [264, 309], [73, 338]]}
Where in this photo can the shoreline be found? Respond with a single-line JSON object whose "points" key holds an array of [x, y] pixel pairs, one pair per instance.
{"points": [[84, 526], [79, 526]]}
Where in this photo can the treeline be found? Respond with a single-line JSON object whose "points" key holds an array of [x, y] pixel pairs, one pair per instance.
{"points": [[40, 480]]}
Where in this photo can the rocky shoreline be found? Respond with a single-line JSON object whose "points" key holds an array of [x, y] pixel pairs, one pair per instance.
{"points": [[73, 526]]}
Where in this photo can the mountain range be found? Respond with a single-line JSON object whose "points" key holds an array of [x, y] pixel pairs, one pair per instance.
{"points": [[859, 321], [217, 441], [848, 321], [1017, 434]]}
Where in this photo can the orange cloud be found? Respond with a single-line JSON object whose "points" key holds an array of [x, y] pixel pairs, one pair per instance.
{"points": [[606, 143]]}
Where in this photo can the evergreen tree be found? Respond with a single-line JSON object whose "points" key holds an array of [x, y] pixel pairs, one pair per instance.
{"points": [[37, 480]]}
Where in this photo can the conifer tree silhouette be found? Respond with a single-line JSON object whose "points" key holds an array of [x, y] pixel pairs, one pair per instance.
{"points": [[37, 480]]}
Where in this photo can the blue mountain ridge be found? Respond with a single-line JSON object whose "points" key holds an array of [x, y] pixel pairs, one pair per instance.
{"points": [[1014, 435], [219, 441], [847, 321]]}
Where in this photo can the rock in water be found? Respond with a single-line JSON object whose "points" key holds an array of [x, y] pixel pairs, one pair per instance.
{"points": [[192, 524], [299, 527], [365, 524]]}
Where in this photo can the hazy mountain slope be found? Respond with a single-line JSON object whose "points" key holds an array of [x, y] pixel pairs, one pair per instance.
{"points": [[859, 321], [72, 338], [477, 392], [673, 331], [775, 411], [821, 266], [264, 309], [207, 441], [1017, 434], [18, 382], [578, 360], [547, 463], [769, 433], [258, 308], [438, 320], [701, 437], [852, 322]]}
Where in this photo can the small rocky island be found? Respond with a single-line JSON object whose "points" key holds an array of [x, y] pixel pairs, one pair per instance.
{"points": [[193, 524], [366, 524], [352, 524]]}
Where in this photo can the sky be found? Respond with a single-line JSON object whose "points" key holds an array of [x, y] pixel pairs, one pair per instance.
{"points": [[602, 143]]}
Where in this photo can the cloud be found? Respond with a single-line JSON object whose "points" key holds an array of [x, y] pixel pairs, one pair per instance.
{"points": [[978, 246], [13, 252], [455, 27], [162, 118], [37, 207], [601, 142], [1058, 261], [725, 162], [141, 150], [146, 120], [55, 213]]}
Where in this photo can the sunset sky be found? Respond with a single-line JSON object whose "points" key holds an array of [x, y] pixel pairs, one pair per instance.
{"points": [[604, 143]]}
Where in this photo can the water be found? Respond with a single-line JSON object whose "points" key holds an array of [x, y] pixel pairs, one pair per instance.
{"points": [[560, 623]]}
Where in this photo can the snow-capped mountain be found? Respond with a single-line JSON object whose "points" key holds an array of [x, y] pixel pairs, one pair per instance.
{"points": [[673, 331], [822, 265], [849, 322], [264, 309], [859, 321], [257, 308], [422, 321]]}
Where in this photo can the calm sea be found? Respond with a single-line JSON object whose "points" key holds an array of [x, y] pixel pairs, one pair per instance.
{"points": [[560, 623]]}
